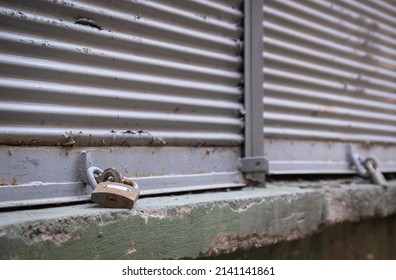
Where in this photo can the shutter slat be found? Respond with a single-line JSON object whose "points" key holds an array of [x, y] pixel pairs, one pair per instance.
{"points": [[152, 88], [329, 80], [163, 61]]}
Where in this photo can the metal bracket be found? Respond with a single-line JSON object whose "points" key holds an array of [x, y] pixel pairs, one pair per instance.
{"points": [[254, 165], [85, 161], [87, 170]]}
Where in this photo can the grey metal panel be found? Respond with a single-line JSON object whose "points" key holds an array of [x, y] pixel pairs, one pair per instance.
{"points": [[303, 156], [45, 175], [329, 79], [162, 76], [153, 67]]}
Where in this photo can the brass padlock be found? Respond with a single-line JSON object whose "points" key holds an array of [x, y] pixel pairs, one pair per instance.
{"points": [[115, 195]]}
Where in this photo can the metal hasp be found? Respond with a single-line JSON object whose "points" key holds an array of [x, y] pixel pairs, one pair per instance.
{"points": [[253, 77], [368, 168]]}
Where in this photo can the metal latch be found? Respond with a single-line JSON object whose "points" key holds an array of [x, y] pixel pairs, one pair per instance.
{"points": [[368, 168]]}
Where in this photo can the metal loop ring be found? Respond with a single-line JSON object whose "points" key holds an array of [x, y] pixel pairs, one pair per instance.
{"points": [[90, 174], [360, 168], [372, 161]]}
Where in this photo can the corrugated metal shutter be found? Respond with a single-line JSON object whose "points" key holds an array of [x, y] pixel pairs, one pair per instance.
{"points": [[329, 80], [124, 73]]}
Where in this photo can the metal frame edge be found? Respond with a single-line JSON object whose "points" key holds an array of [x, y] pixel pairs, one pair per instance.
{"points": [[253, 86]]}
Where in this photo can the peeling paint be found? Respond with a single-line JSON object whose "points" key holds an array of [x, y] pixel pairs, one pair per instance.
{"points": [[246, 205], [224, 244], [158, 214], [45, 232], [88, 22], [132, 249], [181, 212]]}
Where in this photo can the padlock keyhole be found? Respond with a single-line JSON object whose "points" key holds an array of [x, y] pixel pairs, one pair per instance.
{"points": [[111, 200]]}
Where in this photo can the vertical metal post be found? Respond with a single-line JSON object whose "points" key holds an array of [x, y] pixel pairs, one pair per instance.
{"points": [[254, 164]]}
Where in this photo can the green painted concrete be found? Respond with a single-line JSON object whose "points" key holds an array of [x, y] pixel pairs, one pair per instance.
{"points": [[190, 226]]}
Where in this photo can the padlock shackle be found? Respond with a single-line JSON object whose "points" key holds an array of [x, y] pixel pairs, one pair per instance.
{"points": [[111, 173]]}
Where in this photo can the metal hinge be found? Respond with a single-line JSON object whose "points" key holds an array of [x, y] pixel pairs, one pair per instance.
{"points": [[254, 165]]}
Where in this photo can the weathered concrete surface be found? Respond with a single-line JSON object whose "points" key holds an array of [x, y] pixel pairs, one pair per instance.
{"points": [[372, 239], [190, 226]]}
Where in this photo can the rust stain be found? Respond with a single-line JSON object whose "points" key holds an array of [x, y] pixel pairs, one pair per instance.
{"points": [[2, 182], [14, 181], [367, 146], [207, 154]]}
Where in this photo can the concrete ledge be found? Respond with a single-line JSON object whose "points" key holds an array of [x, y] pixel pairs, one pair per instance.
{"points": [[191, 226]]}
